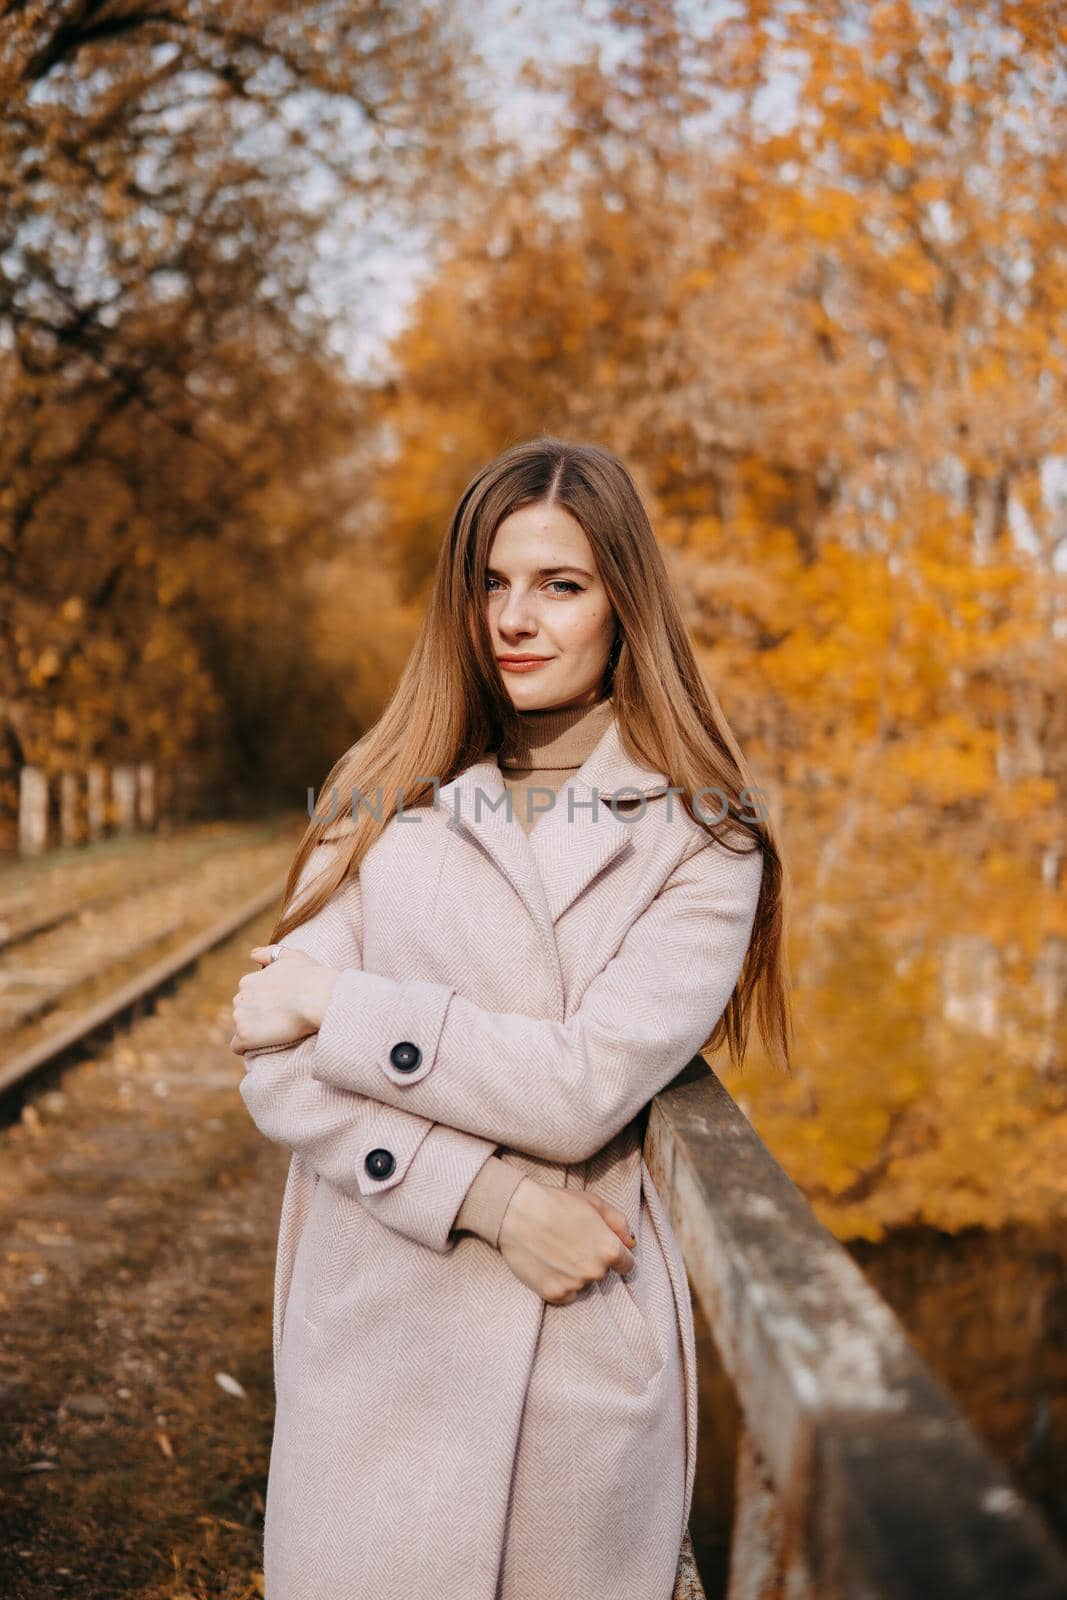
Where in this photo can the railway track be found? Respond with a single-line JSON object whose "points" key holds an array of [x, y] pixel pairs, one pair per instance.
{"points": [[83, 1025], [23, 920], [70, 972]]}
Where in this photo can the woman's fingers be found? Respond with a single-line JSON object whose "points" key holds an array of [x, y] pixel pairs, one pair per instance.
{"points": [[264, 953], [625, 1260], [551, 1242], [615, 1219]]}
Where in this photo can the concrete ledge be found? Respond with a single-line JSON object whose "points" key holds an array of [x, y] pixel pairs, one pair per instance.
{"points": [[881, 1487]]}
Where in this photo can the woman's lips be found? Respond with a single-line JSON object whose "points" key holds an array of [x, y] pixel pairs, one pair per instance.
{"points": [[522, 666]]}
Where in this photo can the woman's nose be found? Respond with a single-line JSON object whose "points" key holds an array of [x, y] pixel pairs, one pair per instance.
{"points": [[515, 615]]}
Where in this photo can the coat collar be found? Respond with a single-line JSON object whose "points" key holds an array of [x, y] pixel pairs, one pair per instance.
{"points": [[569, 844]]}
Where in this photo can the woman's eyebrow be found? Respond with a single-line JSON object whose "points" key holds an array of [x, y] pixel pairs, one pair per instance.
{"points": [[543, 572]]}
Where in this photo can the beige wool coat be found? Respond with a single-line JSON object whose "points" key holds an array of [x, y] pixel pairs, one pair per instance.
{"points": [[441, 1432]]}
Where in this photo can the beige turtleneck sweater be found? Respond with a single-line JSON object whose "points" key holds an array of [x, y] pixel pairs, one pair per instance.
{"points": [[551, 746]]}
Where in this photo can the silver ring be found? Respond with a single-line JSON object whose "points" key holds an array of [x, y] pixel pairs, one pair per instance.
{"points": [[275, 951]]}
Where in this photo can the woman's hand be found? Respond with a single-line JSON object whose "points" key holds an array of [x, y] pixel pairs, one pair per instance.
{"points": [[559, 1240], [281, 1003]]}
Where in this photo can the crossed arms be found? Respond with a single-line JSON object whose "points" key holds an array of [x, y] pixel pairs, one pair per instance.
{"points": [[484, 1079]]}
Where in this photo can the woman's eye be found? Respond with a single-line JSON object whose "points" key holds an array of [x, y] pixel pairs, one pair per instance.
{"points": [[556, 583]]}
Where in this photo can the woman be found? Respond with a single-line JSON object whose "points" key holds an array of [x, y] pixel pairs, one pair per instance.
{"points": [[518, 923]]}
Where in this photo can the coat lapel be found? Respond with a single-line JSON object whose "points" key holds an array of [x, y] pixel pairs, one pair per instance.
{"points": [[569, 844]]}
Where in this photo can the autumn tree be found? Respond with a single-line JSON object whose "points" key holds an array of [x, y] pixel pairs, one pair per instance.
{"points": [[181, 439]]}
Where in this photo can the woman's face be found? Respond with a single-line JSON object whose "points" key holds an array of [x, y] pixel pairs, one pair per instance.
{"points": [[545, 600]]}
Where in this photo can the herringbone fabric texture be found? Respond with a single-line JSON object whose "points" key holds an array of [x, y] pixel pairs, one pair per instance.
{"points": [[441, 1432], [552, 744]]}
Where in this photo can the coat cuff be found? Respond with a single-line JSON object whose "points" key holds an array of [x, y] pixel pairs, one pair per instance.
{"points": [[487, 1199], [420, 1198], [373, 1023]]}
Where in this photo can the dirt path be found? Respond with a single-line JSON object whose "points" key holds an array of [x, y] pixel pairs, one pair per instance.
{"points": [[138, 1210]]}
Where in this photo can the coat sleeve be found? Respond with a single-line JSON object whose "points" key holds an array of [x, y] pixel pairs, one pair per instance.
{"points": [[434, 1166], [557, 1090]]}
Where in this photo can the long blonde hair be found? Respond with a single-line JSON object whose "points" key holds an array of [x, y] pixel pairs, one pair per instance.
{"points": [[451, 704]]}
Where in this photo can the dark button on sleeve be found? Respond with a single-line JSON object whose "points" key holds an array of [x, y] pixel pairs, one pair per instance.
{"points": [[405, 1056], [380, 1163]]}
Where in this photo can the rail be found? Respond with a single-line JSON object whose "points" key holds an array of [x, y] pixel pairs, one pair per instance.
{"points": [[77, 1030], [855, 1474]]}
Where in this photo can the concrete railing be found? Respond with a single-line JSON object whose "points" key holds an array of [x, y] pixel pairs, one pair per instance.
{"points": [[856, 1476]]}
